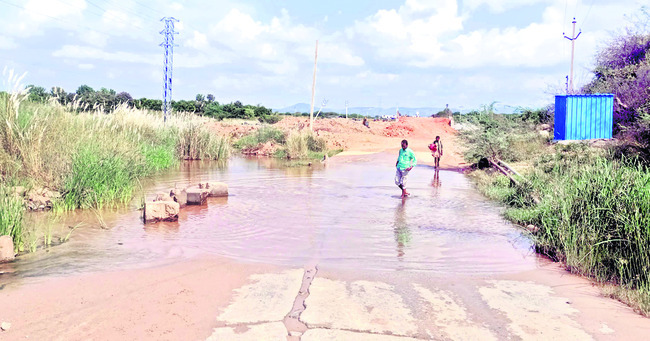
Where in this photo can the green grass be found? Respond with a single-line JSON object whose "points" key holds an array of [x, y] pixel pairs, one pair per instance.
{"points": [[11, 215], [260, 136], [93, 159], [593, 215]]}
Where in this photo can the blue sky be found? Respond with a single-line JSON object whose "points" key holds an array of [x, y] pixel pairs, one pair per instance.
{"points": [[410, 53]]}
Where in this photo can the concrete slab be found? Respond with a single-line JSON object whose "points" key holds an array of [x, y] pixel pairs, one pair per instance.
{"points": [[533, 311], [360, 305], [451, 316], [344, 335], [269, 297], [266, 331]]}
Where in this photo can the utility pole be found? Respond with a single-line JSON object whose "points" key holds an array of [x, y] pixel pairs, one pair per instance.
{"points": [[573, 46], [313, 91], [168, 43], [346, 108]]}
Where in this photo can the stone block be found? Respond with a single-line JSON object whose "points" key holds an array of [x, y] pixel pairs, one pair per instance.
{"points": [[217, 189], [6, 248], [161, 211], [179, 195], [197, 196]]}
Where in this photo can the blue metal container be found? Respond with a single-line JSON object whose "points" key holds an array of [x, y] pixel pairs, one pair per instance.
{"points": [[584, 117]]}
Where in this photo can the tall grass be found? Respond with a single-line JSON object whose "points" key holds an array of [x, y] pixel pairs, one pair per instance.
{"points": [[261, 136], [593, 214], [305, 144], [11, 215], [94, 159]]}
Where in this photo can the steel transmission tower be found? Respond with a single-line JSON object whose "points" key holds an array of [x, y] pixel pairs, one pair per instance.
{"points": [[168, 43]]}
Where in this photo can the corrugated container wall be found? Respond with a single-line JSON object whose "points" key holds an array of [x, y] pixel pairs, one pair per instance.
{"points": [[584, 117]]}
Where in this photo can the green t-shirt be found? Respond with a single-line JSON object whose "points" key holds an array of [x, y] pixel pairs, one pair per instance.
{"points": [[406, 159]]}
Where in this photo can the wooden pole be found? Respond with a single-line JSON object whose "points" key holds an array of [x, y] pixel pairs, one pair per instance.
{"points": [[313, 91]]}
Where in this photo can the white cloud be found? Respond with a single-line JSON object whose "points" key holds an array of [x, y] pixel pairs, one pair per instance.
{"points": [[86, 66], [198, 41], [7, 43], [499, 6], [44, 10], [94, 38], [87, 52], [279, 40]]}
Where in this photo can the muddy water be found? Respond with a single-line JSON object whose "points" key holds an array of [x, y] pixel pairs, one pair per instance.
{"points": [[345, 215]]}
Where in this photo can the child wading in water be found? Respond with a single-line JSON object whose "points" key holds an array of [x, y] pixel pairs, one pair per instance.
{"points": [[436, 151], [405, 162]]}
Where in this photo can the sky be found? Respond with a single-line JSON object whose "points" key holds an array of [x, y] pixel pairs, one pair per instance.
{"points": [[409, 53]]}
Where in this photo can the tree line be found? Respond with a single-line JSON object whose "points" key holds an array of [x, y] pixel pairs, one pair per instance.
{"points": [[88, 99]]}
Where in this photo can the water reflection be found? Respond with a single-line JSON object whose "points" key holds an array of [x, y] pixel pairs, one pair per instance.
{"points": [[401, 229]]}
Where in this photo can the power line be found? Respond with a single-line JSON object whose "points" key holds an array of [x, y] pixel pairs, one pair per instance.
{"points": [[588, 11]]}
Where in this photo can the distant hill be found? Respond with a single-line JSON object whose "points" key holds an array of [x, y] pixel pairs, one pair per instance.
{"points": [[367, 111], [375, 111]]}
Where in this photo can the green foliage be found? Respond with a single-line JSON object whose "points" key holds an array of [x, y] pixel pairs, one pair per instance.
{"points": [[37, 94], [593, 213], [506, 137], [261, 136], [99, 177], [11, 215], [305, 145]]}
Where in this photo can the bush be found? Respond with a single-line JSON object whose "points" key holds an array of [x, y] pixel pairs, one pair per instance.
{"points": [[261, 136], [270, 119]]}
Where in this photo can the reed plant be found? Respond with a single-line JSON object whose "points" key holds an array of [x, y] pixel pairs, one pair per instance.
{"points": [[11, 215], [92, 158], [263, 135], [593, 215]]}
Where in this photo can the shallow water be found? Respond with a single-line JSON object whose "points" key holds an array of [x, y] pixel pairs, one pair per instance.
{"points": [[345, 215]]}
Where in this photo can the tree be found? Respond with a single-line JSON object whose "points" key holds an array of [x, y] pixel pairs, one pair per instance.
{"points": [[210, 98], [37, 94], [59, 95], [124, 97], [200, 98]]}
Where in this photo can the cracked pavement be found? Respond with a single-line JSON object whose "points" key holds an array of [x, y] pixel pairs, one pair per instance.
{"points": [[416, 306]]}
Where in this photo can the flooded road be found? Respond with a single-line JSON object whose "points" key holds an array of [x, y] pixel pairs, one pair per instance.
{"points": [[344, 215], [327, 252]]}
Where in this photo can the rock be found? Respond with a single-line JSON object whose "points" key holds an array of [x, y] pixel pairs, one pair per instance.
{"points": [[179, 195], [161, 211], [217, 189], [532, 228], [197, 196], [544, 127], [37, 201], [5, 326], [544, 133], [6, 249], [163, 197]]}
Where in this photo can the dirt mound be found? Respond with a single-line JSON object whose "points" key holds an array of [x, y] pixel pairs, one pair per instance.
{"points": [[399, 128]]}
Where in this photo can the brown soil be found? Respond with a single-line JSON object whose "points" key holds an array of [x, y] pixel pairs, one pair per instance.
{"points": [[174, 302], [354, 139]]}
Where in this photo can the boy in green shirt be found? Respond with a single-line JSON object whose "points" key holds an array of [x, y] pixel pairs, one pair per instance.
{"points": [[405, 162]]}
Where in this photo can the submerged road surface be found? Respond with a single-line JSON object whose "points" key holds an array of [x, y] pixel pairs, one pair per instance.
{"points": [[308, 253]]}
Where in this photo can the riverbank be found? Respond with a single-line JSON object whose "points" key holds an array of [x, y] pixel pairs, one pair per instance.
{"points": [[583, 206], [86, 160]]}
